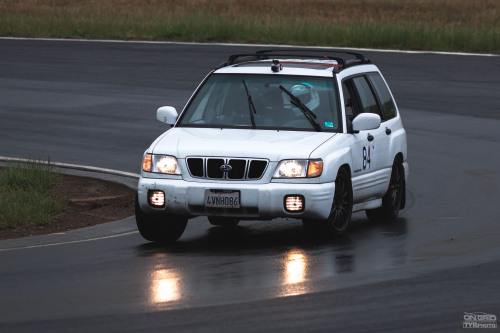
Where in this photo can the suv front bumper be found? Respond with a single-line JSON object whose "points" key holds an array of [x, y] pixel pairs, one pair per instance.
{"points": [[257, 201]]}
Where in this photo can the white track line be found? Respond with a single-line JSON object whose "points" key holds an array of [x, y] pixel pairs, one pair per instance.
{"points": [[68, 242], [248, 45], [71, 166]]}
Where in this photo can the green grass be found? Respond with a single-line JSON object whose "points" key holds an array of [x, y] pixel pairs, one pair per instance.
{"points": [[26, 196], [442, 25]]}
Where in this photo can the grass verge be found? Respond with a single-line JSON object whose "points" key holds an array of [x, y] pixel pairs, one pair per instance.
{"points": [[26, 196], [444, 25]]}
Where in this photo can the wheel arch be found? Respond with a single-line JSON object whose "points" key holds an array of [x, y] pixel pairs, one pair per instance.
{"points": [[347, 167], [400, 156]]}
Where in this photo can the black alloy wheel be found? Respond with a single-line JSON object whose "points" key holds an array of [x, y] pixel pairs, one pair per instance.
{"points": [[340, 216], [392, 200], [341, 211]]}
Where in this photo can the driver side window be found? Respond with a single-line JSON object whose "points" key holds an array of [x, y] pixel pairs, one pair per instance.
{"points": [[350, 102], [368, 101], [359, 97]]}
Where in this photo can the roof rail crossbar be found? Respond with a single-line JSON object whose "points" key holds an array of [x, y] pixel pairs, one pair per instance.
{"points": [[238, 58], [301, 53]]}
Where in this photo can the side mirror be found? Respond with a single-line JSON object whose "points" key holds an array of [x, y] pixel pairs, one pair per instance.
{"points": [[365, 122], [167, 114]]}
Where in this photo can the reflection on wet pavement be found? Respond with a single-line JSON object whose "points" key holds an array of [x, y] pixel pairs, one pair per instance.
{"points": [[266, 260], [294, 273], [165, 286]]}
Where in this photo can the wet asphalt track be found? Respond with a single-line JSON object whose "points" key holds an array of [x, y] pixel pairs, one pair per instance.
{"points": [[94, 104]]}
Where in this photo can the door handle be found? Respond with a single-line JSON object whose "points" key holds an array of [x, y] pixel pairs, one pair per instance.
{"points": [[370, 137], [388, 131]]}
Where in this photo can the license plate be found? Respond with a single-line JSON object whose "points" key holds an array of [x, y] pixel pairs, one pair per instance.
{"points": [[222, 199]]}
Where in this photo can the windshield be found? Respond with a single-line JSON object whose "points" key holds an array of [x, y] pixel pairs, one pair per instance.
{"points": [[262, 102]]}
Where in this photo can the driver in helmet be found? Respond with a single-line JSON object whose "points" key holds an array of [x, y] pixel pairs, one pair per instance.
{"points": [[307, 94]]}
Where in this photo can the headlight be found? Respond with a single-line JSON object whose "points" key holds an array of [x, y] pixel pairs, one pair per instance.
{"points": [[160, 164], [299, 169], [291, 169]]}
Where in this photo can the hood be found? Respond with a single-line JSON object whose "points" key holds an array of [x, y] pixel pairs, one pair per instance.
{"points": [[270, 144]]}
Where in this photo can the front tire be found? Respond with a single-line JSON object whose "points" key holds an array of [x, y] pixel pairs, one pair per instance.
{"points": [[165, 228], [393, 198], [340, 214]]}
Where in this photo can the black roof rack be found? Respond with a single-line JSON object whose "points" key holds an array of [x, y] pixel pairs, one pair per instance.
{"points": [[344, 62]]}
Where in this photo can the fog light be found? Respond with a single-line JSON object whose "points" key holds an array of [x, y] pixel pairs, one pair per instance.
{"points": [[294, 203], [156, 198]]}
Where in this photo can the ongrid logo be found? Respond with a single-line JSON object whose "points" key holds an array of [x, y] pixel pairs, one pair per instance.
{"points": [[480, 320]]}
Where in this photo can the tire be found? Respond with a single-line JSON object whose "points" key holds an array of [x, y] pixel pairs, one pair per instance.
{"points": [[393, 199], [340, 214], [227, 222], [165, 228]]}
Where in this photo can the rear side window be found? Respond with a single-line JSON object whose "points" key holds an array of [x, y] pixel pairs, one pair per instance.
{"points": [[368, 101], [388, 107]]}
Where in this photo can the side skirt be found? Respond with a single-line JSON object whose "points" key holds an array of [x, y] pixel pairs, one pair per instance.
{"points": [[372, 204]]}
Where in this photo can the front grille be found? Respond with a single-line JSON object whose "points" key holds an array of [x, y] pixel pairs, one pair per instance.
{"points": [[226, 168]]}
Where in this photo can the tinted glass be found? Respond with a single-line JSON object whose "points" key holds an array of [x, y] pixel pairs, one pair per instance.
{"points": [[348, 101], [368, 101], [222, 102], [388, 107]]}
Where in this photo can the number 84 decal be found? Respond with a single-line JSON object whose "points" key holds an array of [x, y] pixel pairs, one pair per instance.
{"points": [[366, 157]]}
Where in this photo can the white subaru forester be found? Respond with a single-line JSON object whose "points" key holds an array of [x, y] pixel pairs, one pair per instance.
{"points": [[307, 134]]}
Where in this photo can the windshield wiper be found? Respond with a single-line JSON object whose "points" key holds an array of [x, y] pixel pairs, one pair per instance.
{"points": [[302, 107], [251, 106]]}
